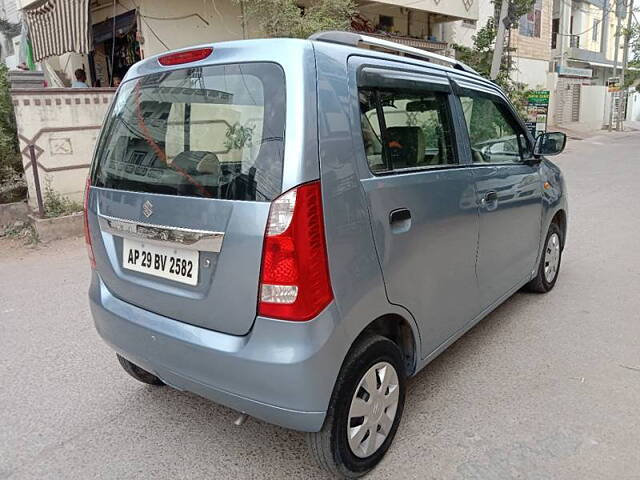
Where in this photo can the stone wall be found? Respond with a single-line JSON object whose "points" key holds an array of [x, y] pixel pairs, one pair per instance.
{"points": [[62, 124]]}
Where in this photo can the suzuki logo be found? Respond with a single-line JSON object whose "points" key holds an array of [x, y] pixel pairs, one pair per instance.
{"points": [[147, 208]]}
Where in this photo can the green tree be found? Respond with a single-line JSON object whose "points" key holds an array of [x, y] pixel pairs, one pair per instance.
{"points": [[10, 162], [479, 56], [517, 8], [632, 77], [283, 18]]}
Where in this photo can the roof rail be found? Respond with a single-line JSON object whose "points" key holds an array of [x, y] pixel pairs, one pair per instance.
{"points": [[356, 40]]}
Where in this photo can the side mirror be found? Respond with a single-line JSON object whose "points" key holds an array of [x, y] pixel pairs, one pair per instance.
{"points": [[549, 144]]}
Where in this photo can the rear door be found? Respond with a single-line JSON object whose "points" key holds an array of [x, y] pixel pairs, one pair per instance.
{"points": [[509, 194], [184, 172], [421, 197]]}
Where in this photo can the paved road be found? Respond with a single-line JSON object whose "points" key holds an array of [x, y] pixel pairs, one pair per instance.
{"points": [[545, 387]]}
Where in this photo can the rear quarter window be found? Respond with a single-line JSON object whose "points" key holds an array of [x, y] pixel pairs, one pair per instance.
{"points": [[213, 132]]}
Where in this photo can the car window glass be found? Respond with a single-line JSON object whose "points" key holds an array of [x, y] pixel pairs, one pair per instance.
{"points": [[492, 134], [405, 130], [213, 132]]}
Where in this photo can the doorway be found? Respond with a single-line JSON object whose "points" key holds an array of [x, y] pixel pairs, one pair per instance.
{"points": [[113, 55]]}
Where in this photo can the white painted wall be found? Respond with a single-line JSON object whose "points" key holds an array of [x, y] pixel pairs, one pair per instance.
{"points": [[552, 82], [222, 17], [531, 72], [633, 107], [593, 101], [12, 61], [453, 8], [61, 109], [68, 63], [461, 33]]}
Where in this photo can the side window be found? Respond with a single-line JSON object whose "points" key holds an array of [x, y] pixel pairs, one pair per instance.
{"points": [[493, 133], [405, 130]]}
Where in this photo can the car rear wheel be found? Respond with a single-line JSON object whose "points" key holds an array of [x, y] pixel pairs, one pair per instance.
{"points": [[550, 259], [138, 373], [365, 410]]}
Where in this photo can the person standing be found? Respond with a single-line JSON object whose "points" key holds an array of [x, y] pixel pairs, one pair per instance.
{"points": [[81, 79]]}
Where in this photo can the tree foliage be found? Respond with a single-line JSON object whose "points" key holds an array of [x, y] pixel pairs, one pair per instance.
{"points": [[632, 77], [10, 162], [283, 18], [479, 58], [480, 55], [517, 8]]}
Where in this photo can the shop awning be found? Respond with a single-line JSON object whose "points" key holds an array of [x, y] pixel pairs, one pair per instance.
{"points": [[609, 65], [59, 26]]}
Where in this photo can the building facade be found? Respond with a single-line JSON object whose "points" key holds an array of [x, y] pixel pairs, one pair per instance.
{"points": [[531, 40], [148, 27], [584, 36], [583, 53], [61, 123], [9, 44]]}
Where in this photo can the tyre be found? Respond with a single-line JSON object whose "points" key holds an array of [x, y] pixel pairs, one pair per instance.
{"points": [[138, 373], [550, 259], [365, 410]]}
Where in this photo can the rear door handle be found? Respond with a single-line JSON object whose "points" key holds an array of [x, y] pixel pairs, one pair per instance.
{"points": [[491, 196], [400, 215], [400, 220]]}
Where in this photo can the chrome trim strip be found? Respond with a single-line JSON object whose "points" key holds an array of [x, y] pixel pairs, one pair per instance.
{"points": [[201, 240]]}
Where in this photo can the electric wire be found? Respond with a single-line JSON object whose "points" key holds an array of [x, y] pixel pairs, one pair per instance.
{"points": [[147, 24]]}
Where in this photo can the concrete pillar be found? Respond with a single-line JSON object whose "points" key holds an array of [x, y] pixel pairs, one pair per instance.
{"points": [[563, 30]]}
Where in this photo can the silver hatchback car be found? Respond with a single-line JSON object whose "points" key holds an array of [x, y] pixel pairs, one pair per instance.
{"points": [[292, 228]]}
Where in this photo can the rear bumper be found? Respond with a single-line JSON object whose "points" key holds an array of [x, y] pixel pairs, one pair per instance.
{"points": [[281, 372]]}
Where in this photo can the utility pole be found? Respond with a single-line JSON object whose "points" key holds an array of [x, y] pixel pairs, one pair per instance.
{"points": [[604, 40], [497, 52], [615, 60], [563, 40], [625, 63]]}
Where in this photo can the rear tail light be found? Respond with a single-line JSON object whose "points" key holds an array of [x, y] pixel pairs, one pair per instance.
{"points": [[186, 56], [294, 279], [87, 234]]}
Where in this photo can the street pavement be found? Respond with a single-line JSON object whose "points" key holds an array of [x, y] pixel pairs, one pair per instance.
{"points": [[547, 386]]}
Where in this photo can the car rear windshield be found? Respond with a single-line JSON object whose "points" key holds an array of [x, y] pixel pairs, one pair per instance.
{"points": [[213, 132]]}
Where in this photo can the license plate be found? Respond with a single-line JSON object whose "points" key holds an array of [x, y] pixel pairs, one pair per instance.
{"points": [[165, 262]]}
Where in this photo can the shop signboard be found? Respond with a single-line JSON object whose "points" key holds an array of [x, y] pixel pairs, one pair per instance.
{"points": [[537, 111], [613, 84], [565, 71]]}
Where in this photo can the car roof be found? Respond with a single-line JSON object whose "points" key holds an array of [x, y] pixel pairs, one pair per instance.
{"points": [[273, 49]]}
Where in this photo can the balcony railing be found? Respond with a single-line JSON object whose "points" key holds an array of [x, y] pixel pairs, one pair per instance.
{"points": [[574, 41]]}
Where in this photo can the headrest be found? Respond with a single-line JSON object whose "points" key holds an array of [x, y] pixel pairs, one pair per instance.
{"points": [[406, 146], [198, 162]]}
